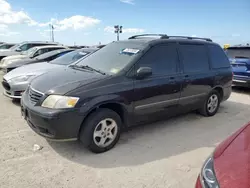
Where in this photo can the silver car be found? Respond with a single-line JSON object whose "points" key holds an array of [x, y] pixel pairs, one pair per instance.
{"points": [[15, 82], [31, 53], [17, 49]]}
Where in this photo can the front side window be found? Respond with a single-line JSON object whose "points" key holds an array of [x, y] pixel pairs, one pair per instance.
{"points": [[113, 58], [194, 57], [163, 59]]}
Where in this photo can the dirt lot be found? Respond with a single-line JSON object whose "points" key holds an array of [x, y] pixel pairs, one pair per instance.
{"points": [[161, 155]]}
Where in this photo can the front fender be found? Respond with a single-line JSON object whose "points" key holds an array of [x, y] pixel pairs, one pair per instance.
{"points": [[89, 105]]}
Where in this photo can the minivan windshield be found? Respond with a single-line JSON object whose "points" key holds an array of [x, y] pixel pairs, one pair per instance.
{"points": [[112, 58], [69, 58], [238, 52]]}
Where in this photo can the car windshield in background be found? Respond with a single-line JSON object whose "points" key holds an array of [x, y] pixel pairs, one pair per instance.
{"points": [[29, 52], [50, 54], [112, 58], [15, 46], [69, 58], [238, 52]]}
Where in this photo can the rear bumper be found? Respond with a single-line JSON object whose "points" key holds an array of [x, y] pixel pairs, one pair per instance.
{"points": [[241, 81]]}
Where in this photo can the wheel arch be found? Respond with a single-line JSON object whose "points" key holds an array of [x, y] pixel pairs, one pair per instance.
{"points": [[219, 89], [116, 106]]}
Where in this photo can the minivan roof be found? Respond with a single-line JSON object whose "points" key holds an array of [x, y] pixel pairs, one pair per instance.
{"points": [[159, 38]]}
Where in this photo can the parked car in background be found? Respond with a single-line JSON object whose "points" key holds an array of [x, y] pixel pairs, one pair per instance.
{"points": [[125, 83], [46, 57], [239, 57], [29, 54], [77, 47], [228, 166], [99, 46], [6, 46], [16, 81], [17, 49]]}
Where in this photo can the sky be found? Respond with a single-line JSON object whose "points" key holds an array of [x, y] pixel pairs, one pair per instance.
{"points": [[88, 22]]}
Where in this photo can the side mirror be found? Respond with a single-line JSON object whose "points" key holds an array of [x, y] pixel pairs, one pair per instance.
{"points": [[18, 50], [143, 72]]}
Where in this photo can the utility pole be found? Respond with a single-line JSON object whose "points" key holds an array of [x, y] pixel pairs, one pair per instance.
{"points": [[52, 32], [118, 30]]}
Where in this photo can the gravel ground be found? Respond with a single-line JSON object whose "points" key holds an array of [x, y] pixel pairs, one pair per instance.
{"points": [[165, 154]]}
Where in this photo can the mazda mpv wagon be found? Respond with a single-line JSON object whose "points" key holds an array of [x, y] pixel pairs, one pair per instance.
{"points": [[125, 83]]}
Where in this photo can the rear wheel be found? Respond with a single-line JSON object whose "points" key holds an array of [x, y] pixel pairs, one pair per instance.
{"points": [[211, 104], [101, 130]]}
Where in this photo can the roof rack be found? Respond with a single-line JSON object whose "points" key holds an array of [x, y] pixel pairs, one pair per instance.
{"points": [[164, 36], [192, 38]]}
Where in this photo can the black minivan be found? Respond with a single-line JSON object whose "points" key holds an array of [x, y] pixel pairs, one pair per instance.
{"points": [[126, 83]]}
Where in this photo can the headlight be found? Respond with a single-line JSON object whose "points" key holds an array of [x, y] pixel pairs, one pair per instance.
{"points": [[6, 62], [59, 102], [2, 61], [22, 78], [208, 178]]}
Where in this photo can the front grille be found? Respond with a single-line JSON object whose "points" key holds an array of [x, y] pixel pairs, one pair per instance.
{"points": [[34, 95], [6, 85]]}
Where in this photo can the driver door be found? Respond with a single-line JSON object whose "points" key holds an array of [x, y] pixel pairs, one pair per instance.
{"points": [[161, 90]]}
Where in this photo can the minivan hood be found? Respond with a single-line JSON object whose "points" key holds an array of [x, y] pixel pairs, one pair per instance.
{"points": [[231, 160], [64, 80], [33, 69]]}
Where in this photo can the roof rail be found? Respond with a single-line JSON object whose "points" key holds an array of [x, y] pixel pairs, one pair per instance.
{"points": [[162, 36], [191, 38]]}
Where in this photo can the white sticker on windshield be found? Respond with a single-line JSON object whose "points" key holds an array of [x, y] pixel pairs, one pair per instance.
{"points": [[130, 51]]}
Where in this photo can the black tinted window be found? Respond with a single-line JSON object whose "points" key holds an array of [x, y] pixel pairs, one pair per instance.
{"points": [[194, 57], [218, 57], [163, 59]]}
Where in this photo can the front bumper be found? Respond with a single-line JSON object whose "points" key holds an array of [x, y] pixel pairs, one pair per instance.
{"points": [[14, 91], [54, 124], [198, 183]]}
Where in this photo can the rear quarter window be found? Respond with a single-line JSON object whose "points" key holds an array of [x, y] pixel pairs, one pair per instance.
{"points": [[218, 58], [194, 57]]}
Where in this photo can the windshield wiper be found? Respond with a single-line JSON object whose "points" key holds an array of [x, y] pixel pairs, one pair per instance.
{"points": [[88, 68]]}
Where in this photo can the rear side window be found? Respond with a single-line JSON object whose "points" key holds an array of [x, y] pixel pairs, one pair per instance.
{"points": [[163, 59], [194, 57], [218, 57]]}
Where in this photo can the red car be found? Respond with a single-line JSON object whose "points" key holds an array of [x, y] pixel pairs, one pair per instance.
{"points": [[229, 165]]}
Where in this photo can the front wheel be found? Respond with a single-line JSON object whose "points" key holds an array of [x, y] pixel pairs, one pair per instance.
{"points": [[211, 104], [101, 130]]}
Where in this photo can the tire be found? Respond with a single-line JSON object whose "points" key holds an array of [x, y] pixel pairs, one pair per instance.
{"points": [[93, 134], [206, 109]]}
